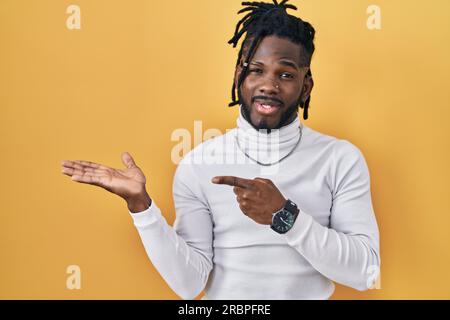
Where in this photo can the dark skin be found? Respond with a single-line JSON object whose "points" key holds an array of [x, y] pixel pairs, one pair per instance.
{"points": [[258, 198], [275, 76]]}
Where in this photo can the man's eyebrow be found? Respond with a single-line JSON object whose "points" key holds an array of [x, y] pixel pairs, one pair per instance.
{"points": [[289, 63], [284, 62]]}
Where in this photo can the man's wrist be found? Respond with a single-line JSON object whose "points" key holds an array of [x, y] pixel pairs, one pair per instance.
{"points": [[284, 219], [139, 203]]}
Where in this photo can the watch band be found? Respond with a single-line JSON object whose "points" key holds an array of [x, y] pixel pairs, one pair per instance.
{"points": [[291, 206]]}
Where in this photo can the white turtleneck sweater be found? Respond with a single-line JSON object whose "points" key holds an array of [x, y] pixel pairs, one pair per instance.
{"points": [[214, 247]]}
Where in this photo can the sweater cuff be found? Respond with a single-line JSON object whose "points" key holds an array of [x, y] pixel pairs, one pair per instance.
{"points": [[147, 217], [297, 233]]}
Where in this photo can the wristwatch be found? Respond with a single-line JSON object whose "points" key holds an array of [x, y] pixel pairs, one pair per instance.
{"points": [[283, 220]]}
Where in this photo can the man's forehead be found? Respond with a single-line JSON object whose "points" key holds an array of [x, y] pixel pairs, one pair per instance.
{"points": [[272, 47]]}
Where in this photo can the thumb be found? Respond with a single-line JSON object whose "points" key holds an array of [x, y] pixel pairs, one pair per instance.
{"points": [[128, 160]]}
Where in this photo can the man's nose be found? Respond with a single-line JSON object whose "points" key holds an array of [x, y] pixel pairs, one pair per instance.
{"points": [[269, 86]]}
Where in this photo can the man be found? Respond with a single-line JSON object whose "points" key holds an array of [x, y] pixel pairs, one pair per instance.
{"points": [[243, 234]]}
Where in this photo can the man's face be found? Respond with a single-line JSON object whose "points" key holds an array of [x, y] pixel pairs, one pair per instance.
{"points": [[275, 84]]}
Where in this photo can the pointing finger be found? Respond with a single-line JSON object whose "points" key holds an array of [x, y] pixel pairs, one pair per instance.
{"points": [[233, 181]]}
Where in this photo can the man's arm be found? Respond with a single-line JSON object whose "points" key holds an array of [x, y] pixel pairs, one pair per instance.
{"points": [[348, 251], [183, 253]]}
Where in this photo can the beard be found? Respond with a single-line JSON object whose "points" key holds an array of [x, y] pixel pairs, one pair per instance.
{"points": [[284, 119]]}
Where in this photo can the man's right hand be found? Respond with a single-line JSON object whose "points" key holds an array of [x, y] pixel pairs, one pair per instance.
{"points": [[127, 183]]}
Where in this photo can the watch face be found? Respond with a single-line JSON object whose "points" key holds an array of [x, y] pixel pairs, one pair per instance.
{"points": [[283, 221]]}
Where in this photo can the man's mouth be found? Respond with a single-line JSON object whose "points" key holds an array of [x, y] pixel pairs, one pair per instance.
{"points": [[266, 108]]}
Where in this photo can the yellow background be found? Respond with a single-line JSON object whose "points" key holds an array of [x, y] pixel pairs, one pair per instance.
{"points": [[138, 70]]}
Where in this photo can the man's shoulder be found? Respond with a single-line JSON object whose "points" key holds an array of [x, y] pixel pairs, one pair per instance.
{"points": [[340, 147], [205, 148]]}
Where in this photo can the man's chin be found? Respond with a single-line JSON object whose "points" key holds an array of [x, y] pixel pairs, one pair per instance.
{"points": [[262, 123], [257, 121]]}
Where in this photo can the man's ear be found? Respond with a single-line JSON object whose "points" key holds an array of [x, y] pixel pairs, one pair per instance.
{"points": [[237, 74], [308, 85]]}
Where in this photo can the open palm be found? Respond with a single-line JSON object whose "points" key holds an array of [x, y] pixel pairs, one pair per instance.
{"points": [[126, 183]]}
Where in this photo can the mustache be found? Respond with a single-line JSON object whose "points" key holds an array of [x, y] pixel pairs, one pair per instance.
{"points": [[267, 99]]}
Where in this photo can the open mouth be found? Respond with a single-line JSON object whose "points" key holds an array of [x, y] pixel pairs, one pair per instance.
{"points": [[265, 108]]}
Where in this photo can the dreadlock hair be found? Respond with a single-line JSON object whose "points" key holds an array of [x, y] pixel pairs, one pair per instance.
{"points": [[265, 19]]}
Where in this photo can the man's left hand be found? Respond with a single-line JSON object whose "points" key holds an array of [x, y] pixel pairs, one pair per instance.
{"points": [[258, 198]]}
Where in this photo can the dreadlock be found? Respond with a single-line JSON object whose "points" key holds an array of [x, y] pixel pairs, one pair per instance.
{"points": [[265, 19]]}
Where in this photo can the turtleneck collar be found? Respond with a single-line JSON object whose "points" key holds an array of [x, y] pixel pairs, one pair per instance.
{"points": [[267, 147]]}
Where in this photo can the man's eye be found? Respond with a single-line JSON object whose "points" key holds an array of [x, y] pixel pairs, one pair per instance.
{"points": [[290, 76], [255, 70]]}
